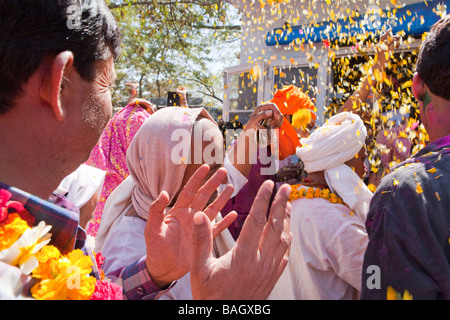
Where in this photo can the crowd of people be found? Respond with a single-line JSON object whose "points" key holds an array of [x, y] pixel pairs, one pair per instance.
{"points": [[161, 210]]}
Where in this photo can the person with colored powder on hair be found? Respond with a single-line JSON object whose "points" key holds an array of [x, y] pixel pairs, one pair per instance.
{"points": [[408, 223]]}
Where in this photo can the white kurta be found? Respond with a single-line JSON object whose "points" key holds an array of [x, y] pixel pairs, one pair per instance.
{"points": [[327, 251]]}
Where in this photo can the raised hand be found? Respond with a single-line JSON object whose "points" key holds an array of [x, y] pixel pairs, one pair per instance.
{"points": [[252, 267], [385, 47], [168, 236], [269, 114]]}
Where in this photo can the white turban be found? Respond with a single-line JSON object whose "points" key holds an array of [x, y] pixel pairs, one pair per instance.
{"points": [[328, 148]]}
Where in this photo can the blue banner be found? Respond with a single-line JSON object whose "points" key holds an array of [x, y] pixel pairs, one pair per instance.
{"points": [[413, 19]]}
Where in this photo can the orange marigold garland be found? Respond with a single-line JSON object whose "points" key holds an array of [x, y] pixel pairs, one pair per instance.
{"points": [[310, 193], [58, 277]]}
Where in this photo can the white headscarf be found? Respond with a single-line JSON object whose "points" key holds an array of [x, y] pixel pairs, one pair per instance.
{"points": [[328, 148], [81, 185]]}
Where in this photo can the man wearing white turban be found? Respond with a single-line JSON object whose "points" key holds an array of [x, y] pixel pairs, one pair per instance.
{"points": [[328, 214]]}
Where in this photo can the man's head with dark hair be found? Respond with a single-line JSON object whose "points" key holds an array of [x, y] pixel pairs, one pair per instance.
{"points": [[31, 30], [433, 61], [431, 82], [56, 68]]}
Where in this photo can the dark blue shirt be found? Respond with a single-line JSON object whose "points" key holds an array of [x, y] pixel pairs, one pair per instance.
{"points": [[409, 228]]}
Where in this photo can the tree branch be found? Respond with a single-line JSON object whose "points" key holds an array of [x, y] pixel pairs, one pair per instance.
{"points": [[212, 93], [146, 3]]}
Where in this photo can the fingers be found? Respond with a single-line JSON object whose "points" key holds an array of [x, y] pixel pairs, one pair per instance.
{"points": [[266, 111], [189, 191], [202, 245], [277, 231], [276, 239], [156, 211], [218, 227], [260, 116], [142, 102], [256, 220], [217, 205], [203, 194], [385, 35]]}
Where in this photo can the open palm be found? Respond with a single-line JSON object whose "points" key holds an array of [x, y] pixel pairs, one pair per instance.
{"points": [[168, 236]]}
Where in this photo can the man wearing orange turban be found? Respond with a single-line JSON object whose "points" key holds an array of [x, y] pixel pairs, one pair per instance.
{"points": [[292, 102]]}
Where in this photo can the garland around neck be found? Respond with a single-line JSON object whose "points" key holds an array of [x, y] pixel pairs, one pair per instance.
{"points": [[309, 193]]}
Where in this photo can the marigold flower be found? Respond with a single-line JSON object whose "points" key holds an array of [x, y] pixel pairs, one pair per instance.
{"points": [[69, 279], [301, 118], [317, 193], [313, 193], [11, 229], [21, 252], [309, 193], [48, 258], [333, 198]]}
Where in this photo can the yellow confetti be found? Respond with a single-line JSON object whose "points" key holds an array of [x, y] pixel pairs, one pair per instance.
{"points": [[419, 188], [432, 170], [396, 182], [301, 118], [391, 294], [407, 84], [437, 196]]}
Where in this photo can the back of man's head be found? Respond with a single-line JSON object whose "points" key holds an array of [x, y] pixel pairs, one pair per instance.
{"points": [[32, 30], [433, 62]]}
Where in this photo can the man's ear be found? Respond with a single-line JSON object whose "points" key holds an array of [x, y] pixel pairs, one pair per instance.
{"points": [[418, 87], [52, 84]]}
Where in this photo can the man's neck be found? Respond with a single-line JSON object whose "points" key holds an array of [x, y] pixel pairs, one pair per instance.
{"points": [[31, 180], [26, 167]]}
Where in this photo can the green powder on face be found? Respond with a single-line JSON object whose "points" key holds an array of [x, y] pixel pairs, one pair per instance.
{"points": [[426, 99]]}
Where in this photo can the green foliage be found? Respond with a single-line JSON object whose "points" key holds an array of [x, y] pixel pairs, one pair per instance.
{"points": [[167, 44]]}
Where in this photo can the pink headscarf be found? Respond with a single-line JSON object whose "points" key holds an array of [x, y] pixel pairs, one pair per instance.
{"points": [[151, 163], [110, 153], [150, 156]]}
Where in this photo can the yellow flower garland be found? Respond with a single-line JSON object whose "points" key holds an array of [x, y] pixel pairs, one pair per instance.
{"points": [[57, 276], [313, 193], [54, 271]]}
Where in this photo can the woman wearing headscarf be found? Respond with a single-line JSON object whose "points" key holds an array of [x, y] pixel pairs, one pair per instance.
{"points": [[329, 210], [167, 150], [110, 152]]}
